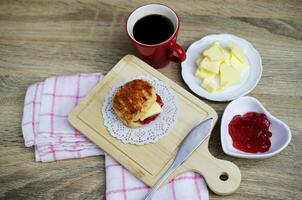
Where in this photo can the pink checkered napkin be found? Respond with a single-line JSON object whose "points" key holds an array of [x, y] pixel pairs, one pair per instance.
{"points": [[122, 185], [45, 125]]}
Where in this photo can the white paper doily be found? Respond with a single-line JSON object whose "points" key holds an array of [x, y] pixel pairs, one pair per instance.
{"points": [[145, 134]]}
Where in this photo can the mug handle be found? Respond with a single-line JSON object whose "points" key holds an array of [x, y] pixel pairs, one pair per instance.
{"points": [[181, 54]]}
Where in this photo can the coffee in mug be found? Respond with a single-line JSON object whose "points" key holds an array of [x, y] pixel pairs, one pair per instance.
{"points": [[153, 29]]}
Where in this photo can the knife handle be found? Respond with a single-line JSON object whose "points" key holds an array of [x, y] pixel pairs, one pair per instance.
{"points": [[162, 179]]}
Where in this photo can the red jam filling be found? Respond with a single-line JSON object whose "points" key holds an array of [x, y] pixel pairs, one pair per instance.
{"points": [[153, 117], [250, 132]]}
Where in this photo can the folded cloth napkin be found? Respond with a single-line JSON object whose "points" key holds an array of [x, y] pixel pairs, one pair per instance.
{"points": [[46, 128], [45, 125]]}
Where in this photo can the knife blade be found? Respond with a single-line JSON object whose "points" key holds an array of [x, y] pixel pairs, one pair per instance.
{"points": [[195, 137]]}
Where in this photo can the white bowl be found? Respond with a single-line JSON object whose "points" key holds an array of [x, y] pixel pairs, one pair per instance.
{"points": [[250, 78], [281, 134]]}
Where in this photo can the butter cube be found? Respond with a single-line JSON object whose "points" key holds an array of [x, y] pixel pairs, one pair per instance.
{"points": [[210, 85], [229, 75], [153, 110], [203, 74], [238, 52], [215, 52], [198, 61], [227, 54], [235, 62], [209, 65]]}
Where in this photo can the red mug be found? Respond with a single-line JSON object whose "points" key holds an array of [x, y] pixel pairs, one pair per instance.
{"points": [[157, 55]]}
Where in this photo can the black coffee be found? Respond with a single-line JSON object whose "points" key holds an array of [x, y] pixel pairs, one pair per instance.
{"points": [[153, 29]]}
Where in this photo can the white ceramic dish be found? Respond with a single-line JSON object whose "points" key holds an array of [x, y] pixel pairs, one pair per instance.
{"points": [[250, 78], [281, 134]]}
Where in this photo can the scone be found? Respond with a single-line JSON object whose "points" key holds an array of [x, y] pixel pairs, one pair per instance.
{"points": [[136, 103]]}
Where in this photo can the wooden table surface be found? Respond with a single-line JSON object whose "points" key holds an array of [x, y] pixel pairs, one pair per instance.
{"points": [[39, 39]]}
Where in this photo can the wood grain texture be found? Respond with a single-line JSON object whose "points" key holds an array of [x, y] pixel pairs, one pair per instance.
{"points": [[39, 39]]}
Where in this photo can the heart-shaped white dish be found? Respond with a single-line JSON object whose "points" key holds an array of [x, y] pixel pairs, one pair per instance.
{"points": [[281, 134], [249, 80]]}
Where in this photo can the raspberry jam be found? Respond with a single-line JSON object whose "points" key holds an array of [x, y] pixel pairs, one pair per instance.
{"points": [[250, 132], [159, 100], [153, 117]]}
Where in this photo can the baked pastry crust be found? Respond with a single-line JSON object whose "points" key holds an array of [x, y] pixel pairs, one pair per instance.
{"points": [[132, 100]]}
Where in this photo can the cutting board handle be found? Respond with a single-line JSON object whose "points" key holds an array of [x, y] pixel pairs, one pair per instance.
{"points": [[222, 177]]}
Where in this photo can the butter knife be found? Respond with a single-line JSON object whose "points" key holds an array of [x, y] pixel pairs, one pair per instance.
{"points": [[196, 136]]}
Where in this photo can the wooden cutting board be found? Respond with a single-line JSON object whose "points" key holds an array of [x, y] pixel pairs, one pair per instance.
{"points": [[148, 162]]}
